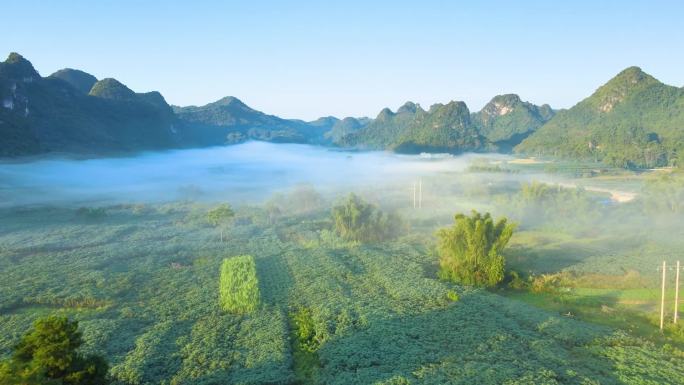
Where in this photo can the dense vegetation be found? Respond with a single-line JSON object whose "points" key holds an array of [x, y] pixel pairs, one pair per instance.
{"points": [[470, 252], [49, 354], [632, 121], [239, 285]]}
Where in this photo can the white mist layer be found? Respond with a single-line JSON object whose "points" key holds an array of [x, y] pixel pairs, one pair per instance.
{"points": [[247, 172]]}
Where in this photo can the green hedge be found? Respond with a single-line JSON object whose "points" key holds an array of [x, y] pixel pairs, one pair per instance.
{"points": [[239, 285]]}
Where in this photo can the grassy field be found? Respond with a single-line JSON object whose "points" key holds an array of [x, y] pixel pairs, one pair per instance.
{"points": [[143, 280]]}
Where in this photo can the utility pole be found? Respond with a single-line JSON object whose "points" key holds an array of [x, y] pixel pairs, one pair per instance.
{"points": [[420, 193], [414, 195], [662, 299], [676, 294]]}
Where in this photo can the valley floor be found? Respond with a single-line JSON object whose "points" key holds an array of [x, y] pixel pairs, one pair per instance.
{"points": [[143, 282]]}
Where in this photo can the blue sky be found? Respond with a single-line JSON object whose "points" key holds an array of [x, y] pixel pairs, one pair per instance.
{"points": [[300, 59]]}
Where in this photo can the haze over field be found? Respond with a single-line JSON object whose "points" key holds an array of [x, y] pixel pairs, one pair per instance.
{"points": [[247, 172], [255, 258]]}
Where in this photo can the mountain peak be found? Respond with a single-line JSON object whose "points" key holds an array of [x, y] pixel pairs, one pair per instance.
{"points": [[508, 99], [14, 58], [507, 119], [454, 111], [385, 113], [80, 80], [18, 68], [110, 88], [409, 107], [501, 105], [324, 121], [229, 101], [457, 105], [632, 73], [628, 81]]}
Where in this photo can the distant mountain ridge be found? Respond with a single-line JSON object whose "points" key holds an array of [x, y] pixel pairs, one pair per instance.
{"points": [[632, 121], [451, 127], [54, 114], [229, 121]]}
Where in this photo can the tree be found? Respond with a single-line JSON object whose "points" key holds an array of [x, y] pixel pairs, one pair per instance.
{"points": [[358, 221], [48, 354], [470, 250], [220, 215]]}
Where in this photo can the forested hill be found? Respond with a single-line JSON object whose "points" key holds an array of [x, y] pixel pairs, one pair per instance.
{"points": [[506, 120], [60, 113], [72, 111], [412, 129], [634, 120], [499, 126], [229, 121]]}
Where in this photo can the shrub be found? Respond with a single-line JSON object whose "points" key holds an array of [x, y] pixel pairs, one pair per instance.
{"points": [[452, 296], [515, 281], [305, 330], [551, 283], [547, 283], [239, 285], [470, 250]]}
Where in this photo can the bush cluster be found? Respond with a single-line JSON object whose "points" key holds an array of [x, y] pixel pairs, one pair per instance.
{"points": [[239, 285], [470, 250], [358, 221]]}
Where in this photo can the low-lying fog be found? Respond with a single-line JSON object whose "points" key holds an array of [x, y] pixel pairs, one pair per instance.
{"points": [[247, 172], [626, 215]]}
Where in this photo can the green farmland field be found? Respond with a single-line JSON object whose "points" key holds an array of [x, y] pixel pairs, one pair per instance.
{"points": [[144, 282]]}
